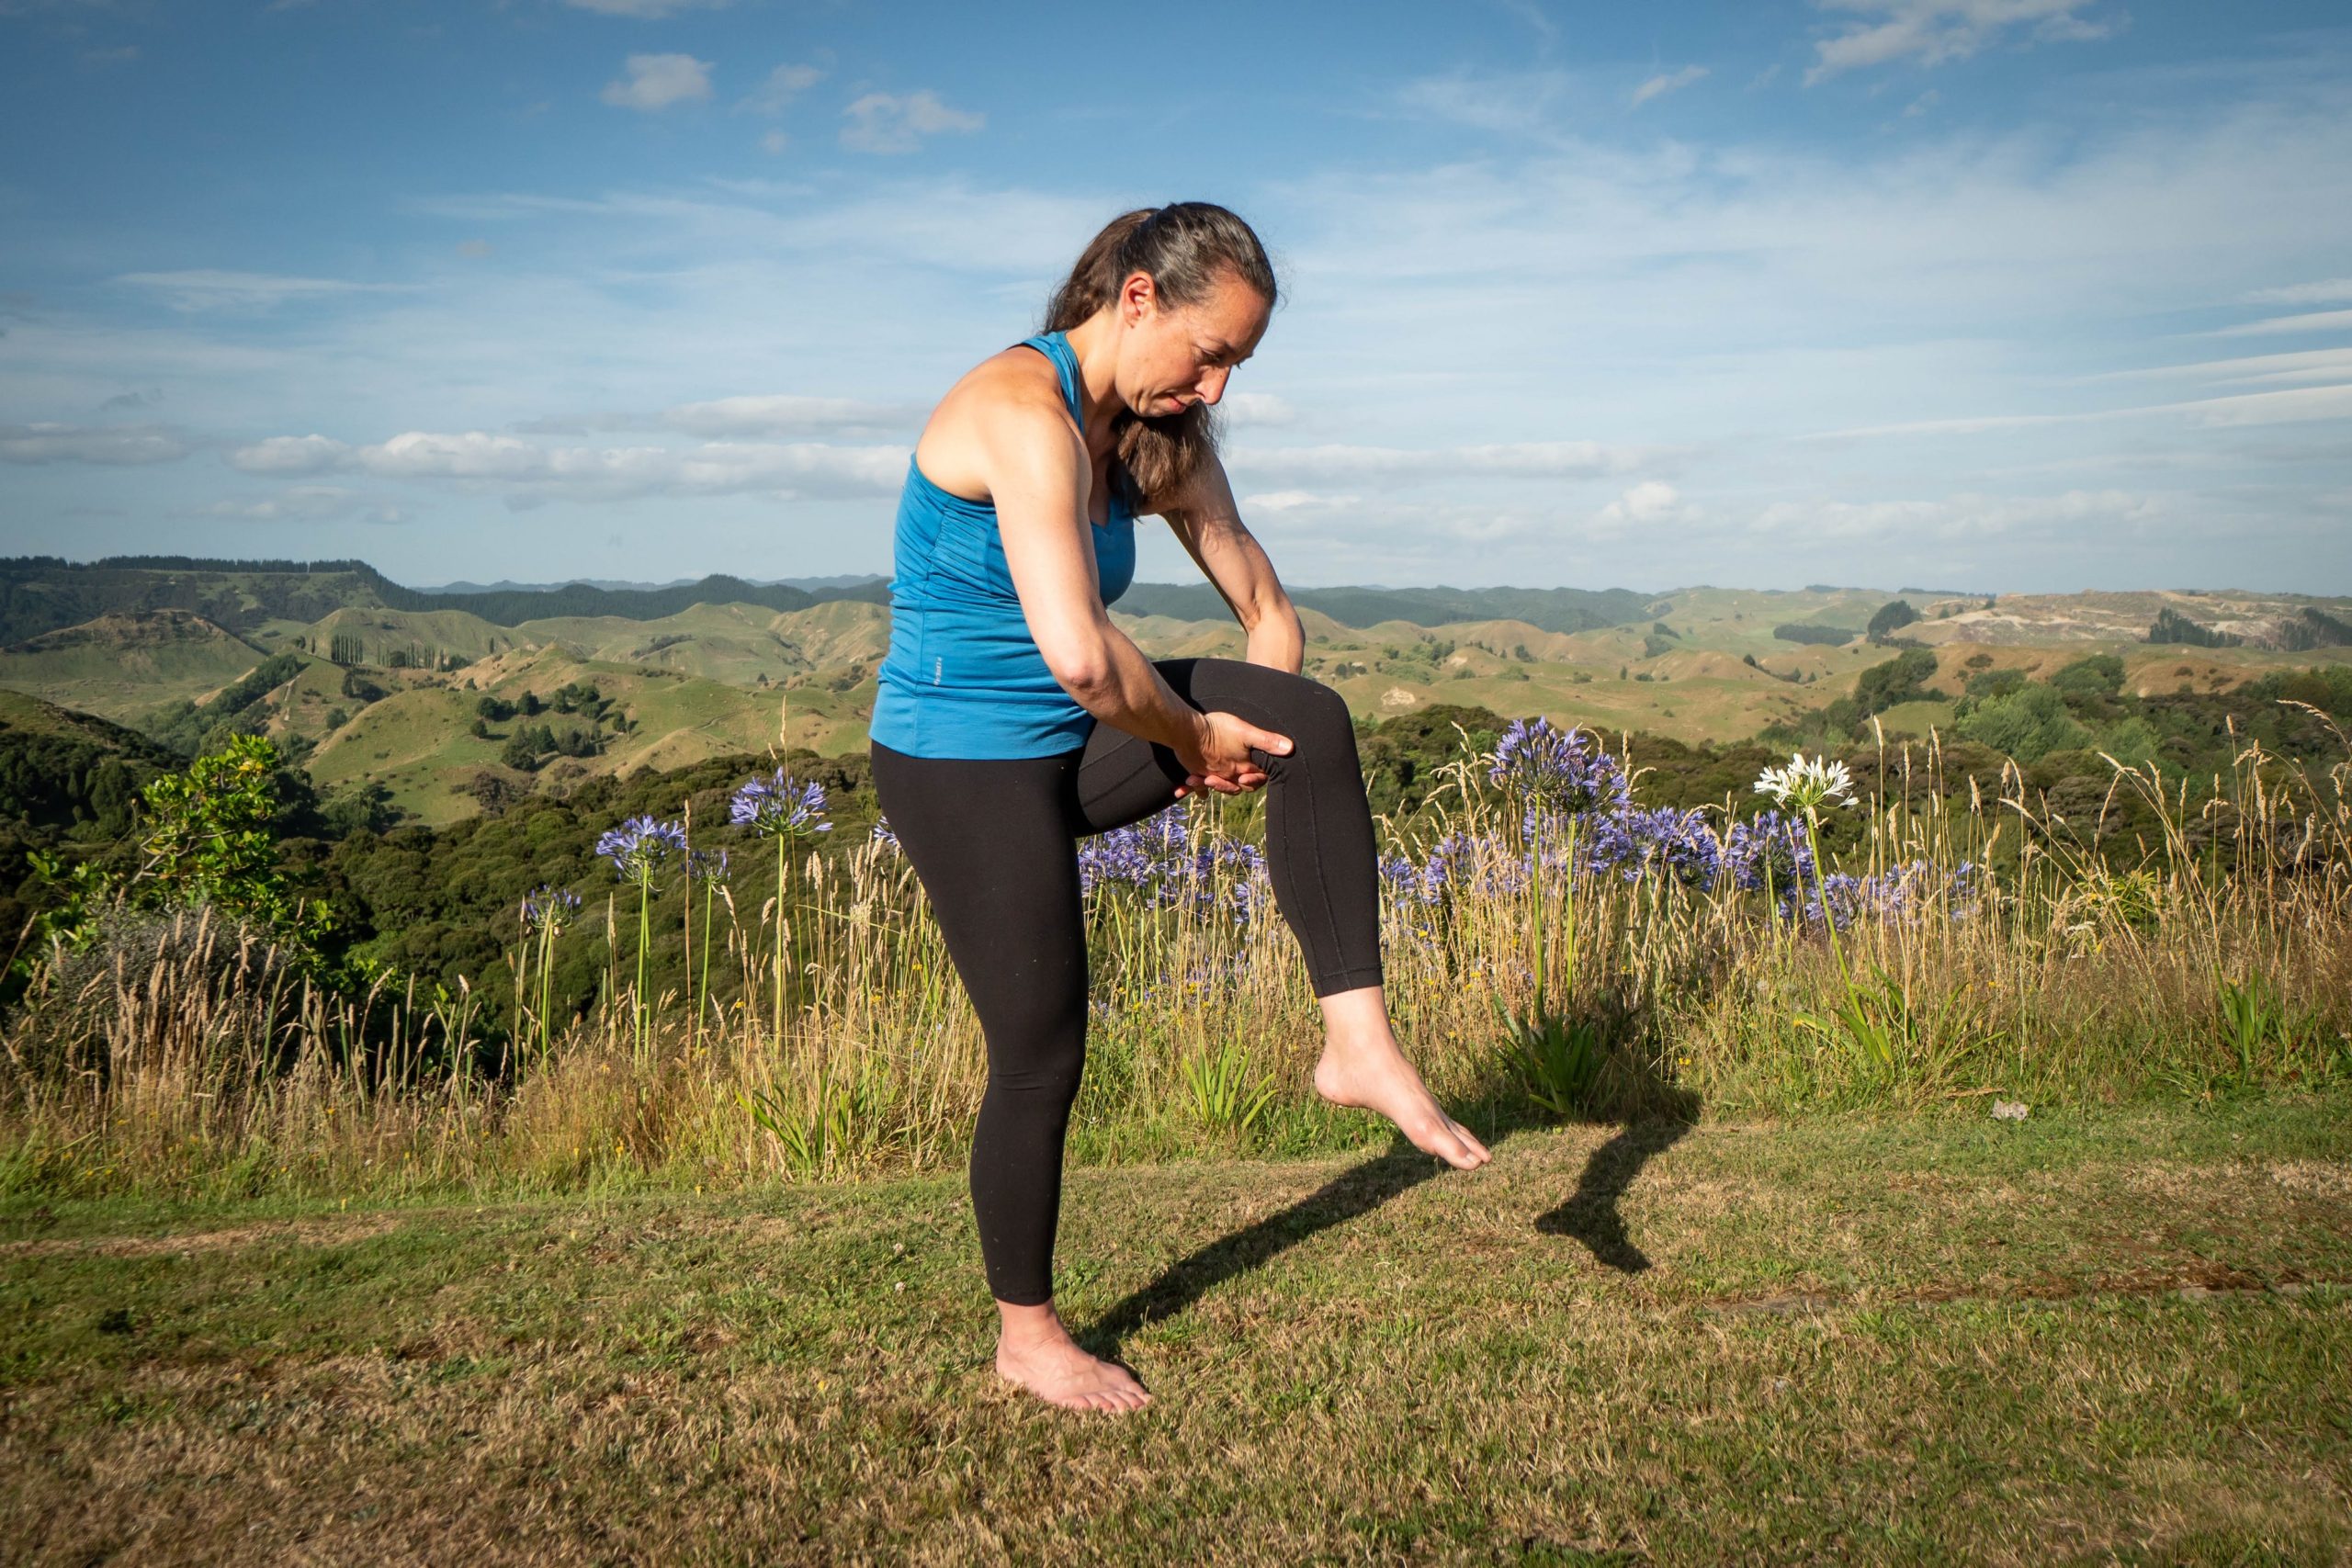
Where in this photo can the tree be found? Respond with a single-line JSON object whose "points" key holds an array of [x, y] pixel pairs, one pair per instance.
{"points": [[210, 837], [1890, 616], [2100, 676]]}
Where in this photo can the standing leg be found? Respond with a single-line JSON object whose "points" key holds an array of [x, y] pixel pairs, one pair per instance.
{"points": [[1320, 856], [989, 841]]}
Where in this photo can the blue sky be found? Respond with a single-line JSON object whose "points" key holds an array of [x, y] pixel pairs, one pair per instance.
{"points": [[2015, 295]]}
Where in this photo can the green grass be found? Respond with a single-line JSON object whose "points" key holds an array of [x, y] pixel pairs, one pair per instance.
{"points": [[1847, 1340]]}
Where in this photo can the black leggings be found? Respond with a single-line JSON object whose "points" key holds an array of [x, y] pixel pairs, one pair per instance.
{"points": [[994, 844]]}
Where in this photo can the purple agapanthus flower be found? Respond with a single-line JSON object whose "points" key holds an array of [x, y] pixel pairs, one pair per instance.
{"points": [[1563, 770], [1769, 847], [1163, 863], [549, 908], [1913, 888], [639, 846], [884, 835], [777, 806], [1664, 841], [706, 866]]}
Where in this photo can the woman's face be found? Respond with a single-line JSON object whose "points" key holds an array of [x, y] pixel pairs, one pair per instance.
{"points": [[1171, 356]]}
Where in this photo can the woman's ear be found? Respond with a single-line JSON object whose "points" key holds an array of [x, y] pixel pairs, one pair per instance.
{"points": [[1139, 297]]}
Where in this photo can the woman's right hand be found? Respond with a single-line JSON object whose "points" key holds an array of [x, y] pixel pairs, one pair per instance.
{"points": [[1216, 753]]}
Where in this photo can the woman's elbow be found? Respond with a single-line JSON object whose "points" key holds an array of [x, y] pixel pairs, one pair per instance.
{"points": [[1083, 666]]}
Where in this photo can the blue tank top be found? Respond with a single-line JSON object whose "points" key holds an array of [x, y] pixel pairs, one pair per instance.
{"points": [[964, 677]]}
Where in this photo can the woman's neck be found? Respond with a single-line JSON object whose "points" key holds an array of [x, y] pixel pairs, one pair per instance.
{"points": [[1095, 343]]}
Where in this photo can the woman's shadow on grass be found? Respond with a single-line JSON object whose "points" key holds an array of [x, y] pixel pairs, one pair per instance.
{"points": [[1664, 1114]]}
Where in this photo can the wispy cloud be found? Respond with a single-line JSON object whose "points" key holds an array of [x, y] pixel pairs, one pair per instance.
{"points": [[527, 472], [1521, 103], [778, 414], [1961, 517], [656, 81], [782, 86], [774, 415], [1256, 409], [122, 444], [1670, 82], [306, 503], [882, 122], [2332, 291], [1401, 465], [1931, 33], [207, 290], [1287, 501], [2316, 321], [2286, 407]]}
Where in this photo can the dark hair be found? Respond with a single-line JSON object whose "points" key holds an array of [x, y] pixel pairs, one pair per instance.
{"points": [[1185, 246]]}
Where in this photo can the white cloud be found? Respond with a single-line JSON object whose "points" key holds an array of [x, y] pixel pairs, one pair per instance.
{"points": [[1285, 500], [206, 289], [775, 143], [1672, 81], [881, 122], [1255, 409], [1649, 502], [783, 84], [532, 472], [656, 81], [290, 454], [305, 503], [2335, 290], [114, 444], [1526, 459], [1934, 31]]}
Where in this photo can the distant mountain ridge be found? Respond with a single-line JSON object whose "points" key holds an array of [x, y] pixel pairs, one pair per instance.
{"points": [[615, 584], [1548, 609], [46, 594]]}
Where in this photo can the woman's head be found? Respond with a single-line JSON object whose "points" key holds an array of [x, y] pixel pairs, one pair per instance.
{"points": [[1190, 288]]}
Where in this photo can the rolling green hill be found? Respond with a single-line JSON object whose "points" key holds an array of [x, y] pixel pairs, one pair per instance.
{"points": [[373, 684], [127, 665]]}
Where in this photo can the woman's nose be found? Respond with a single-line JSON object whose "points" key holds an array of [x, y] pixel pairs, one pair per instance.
{"points": [[1213, 382]]}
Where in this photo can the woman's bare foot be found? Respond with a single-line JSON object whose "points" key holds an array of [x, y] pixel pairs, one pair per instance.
{"points": [[1037, 1352], [1362, 1067], [1377, 1078]]}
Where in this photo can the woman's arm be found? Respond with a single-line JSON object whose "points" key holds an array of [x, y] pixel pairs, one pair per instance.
{"points": [[1207, 519], [1036, 470]]}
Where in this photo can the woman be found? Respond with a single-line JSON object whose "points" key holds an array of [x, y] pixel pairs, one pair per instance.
{"points": [[1013, 717]]}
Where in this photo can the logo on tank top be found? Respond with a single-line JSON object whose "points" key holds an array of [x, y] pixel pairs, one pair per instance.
{"points": [[938, 664]]}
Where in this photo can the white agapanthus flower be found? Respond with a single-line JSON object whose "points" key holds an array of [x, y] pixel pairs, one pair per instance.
{"points": [[1806, 782]]}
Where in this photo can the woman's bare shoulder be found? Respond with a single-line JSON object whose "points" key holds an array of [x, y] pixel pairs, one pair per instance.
{"points": [[1016, 374], [1012, 393]]}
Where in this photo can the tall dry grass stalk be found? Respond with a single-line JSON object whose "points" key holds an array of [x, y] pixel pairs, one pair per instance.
{"points": [[182, 1055]]}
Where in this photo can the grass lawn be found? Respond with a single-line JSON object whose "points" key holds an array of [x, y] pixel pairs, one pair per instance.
{"points": [[2115, 1338]]}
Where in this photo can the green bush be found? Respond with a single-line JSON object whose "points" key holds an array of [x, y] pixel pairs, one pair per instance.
{"points": [[2029, 724]]}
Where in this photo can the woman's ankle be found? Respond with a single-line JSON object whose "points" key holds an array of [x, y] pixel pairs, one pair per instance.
{"points": [[1026, 1326]]}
